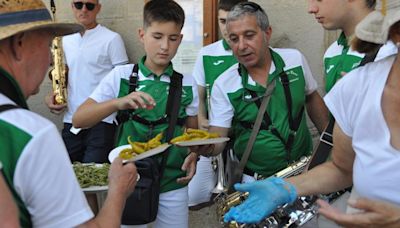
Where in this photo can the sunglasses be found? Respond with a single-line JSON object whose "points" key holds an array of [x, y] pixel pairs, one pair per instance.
{"points": [[89, 6], [252, 6]]}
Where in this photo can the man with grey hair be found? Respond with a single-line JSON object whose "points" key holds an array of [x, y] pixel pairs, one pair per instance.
{"points": [[236, 96], [366, 140]]}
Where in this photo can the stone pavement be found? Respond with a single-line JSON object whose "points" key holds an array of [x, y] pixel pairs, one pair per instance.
{"points": [[203, 218]]}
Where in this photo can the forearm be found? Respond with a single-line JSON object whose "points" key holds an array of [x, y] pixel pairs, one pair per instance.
{"points": [[202, 115], [90, 113], [333, 175], [322, 179], [111, 212], [222, 132], [191, 122], [8, 209], [317, 111]]}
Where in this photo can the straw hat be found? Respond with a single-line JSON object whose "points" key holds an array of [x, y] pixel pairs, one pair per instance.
{"points": [[24, 15], [376, 25]]}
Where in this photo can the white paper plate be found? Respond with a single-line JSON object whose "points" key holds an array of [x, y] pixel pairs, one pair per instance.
{"points": [[93, 189], [202, 141], [115, 152]]}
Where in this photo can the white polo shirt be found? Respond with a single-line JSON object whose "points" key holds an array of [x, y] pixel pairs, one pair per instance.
{"points": [[42, 176], [90, 57]]}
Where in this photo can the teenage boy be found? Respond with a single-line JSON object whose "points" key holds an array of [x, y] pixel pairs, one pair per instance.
{"points": [[212, 60], [161, 36], [340, 58]]}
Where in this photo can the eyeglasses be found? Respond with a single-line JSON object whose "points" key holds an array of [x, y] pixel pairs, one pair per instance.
{"points": [[89, 6], [254, 7]]}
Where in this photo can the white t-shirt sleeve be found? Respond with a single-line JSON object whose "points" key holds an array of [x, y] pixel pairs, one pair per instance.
{"points": [[109, 86], [343, 103], [221, 113], [46, 182], [311, 84], [117, 51], [198, 70], [193, 108]]}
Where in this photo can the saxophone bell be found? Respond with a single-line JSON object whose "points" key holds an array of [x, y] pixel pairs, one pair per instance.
{"points": [[219, 166]]}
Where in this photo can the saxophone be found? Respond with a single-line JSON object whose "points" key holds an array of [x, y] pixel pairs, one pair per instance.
{"points": [[288, 215], [58, 74], [226, 201]]}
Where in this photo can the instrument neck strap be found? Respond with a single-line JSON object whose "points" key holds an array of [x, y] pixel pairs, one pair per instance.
{"points": [[257, 124]]}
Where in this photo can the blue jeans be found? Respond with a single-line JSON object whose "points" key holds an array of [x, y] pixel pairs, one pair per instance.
{"points": [[90, 145]]}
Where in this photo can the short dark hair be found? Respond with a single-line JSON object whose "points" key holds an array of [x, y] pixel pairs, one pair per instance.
{"points": [[370, 3], [227, 5], [163, 11]]}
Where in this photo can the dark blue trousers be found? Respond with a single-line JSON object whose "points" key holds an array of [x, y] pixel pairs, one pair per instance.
{"points": [[90, 145]]}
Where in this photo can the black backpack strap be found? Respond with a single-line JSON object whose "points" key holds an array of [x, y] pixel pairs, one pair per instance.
{"points": [[134, 78], [124, 115], [7, 107], [173, 105]]}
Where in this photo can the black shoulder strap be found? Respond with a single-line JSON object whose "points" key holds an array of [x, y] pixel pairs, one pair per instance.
{"points": [[133, 78], [7, 107], [370, 57], [293, 123], [173, 105]]}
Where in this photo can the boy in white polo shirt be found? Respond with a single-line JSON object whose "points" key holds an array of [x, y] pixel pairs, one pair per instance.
{"points": [[161, 37]]}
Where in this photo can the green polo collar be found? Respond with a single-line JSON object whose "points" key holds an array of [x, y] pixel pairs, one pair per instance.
{"points": [[279, 65], [226, 45], [10, 88], [147, 72], [342, 40]]}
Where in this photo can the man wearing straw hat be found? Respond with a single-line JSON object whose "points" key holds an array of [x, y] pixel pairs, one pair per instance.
{"points": [[366, 150], [35, 162]]}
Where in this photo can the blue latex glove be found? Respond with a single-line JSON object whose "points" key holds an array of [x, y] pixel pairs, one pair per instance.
{"points": [[265, 196]]}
